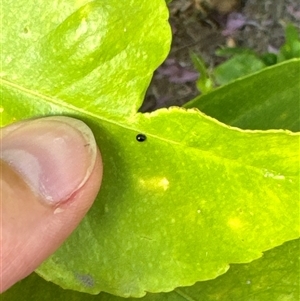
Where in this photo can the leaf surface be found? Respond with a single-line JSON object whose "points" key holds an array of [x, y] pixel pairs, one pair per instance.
{"points": [[265, 100], [85, 52], [236, 67], [177, 208], [275, 276]]}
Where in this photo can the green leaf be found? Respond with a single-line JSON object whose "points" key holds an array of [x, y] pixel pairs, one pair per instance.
{"points": [[275, 276], [269, 58], [291, 47], [238, 66], [180, 206], [98, 53], [265, 100], [153, 229], [174, 209]]}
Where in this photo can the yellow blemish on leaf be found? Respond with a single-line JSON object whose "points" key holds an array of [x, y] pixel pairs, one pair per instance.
{"points": [[270, 174], [164, 183], [155, 183], [82, 29], [235, 223]]}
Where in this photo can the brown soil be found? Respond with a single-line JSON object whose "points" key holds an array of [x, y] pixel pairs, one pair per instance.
{"points": [[204, 31]]}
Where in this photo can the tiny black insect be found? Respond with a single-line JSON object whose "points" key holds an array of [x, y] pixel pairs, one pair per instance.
{"points": [[141, 137]]}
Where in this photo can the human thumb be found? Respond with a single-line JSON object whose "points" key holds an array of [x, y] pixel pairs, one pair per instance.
{"points": [[51, 172]]}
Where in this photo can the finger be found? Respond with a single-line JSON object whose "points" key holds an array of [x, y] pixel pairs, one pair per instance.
{"points": [[51, 172]]}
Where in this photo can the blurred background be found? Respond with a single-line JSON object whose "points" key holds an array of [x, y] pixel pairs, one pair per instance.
{"points": [[203, 27]]}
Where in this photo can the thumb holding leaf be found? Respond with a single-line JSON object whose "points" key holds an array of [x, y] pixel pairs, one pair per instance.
{"points": [[51, 172]]}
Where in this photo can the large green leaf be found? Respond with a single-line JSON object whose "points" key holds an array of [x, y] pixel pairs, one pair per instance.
{"points": [[236, 67], [274, 277], [98, 53], [174, 209], [269, 99]]}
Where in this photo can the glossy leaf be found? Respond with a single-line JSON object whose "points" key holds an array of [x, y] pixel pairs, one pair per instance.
{"points": [[180, 206], [265, 100], [275, 276], [87, 52], [173, 209], [236, 67], [155, 227]]}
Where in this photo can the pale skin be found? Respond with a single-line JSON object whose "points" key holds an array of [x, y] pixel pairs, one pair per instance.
{"points": [[31, 228]]}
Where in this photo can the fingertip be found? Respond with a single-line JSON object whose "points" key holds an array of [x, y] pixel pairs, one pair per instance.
{"points": [[32, 227]]}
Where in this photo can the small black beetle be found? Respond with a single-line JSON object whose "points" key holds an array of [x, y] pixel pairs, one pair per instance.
{"points": [[141, 137]]}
